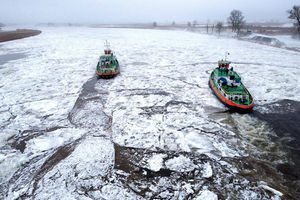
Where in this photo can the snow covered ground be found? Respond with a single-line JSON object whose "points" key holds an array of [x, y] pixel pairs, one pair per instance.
{"points": [[154, 131], [281, 41]]}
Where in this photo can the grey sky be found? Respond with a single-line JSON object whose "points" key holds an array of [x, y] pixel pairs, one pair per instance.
{"points": [[129, 11]]}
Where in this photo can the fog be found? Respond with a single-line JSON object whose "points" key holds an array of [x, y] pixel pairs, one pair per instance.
{"points": [[139, 11]]}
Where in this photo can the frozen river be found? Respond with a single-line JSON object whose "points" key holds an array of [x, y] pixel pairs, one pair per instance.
{"points": [[156, 131]]}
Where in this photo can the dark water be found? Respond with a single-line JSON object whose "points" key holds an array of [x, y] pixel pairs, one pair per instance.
{"points": [[284, 118], [8, 57]]}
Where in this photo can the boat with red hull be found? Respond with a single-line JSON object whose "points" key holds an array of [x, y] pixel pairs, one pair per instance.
{"points": [[227, 86]]}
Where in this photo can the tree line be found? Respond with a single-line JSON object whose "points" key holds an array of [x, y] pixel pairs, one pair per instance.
{"points": [[237, 21]]}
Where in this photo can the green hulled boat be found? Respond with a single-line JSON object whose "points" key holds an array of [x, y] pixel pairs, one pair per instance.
{"points": [[108, 65], [227, 86]]}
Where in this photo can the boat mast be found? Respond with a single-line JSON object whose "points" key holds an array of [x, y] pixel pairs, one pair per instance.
{"points": [[226, 54], [107, 49]]}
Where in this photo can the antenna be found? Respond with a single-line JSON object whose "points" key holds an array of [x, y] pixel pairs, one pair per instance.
{"points": [[107, 49], [106, 44], [226, 54]]}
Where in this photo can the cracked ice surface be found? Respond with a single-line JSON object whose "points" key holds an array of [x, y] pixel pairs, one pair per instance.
{"points": [[90, 162], [154, 131]]}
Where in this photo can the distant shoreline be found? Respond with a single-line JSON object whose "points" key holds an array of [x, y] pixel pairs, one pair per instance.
{"points": [[18, 34], [268, 32]]}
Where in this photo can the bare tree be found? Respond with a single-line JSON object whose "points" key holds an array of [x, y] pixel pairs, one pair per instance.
{"points": [[207, 28], [173, 23], [219, 27], [236, 19], [189, 24], [195, 23], [212, 28], [154, 24], [295, 15]]}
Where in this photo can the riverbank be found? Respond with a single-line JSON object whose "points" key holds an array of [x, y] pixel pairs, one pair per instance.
{"points": [[275, 35], [18, 34]]}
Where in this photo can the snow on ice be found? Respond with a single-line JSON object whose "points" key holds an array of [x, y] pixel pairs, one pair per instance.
{"points": [[154, 131]]}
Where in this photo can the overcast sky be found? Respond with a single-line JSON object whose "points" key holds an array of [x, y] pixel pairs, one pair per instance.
{"points": [[130, 11]]}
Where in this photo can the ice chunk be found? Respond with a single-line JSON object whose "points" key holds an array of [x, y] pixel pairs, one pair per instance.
{"points": [[155, 163], [266, 187], [188, 188], [116, 192], [207, 170], [206, 195], [180, 164]]}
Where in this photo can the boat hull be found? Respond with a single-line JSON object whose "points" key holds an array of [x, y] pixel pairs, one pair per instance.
{"points": [[107, 75], [230, 104], [114, 70]]}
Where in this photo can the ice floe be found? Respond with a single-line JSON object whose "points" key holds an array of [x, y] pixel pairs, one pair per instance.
{"points": [[61, 129]]}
